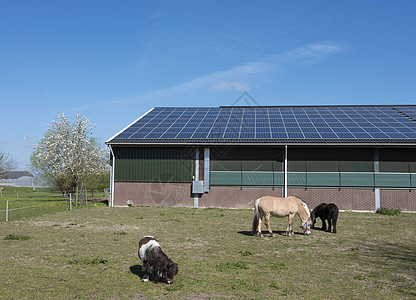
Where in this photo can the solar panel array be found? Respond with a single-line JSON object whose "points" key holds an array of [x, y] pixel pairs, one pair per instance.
{"points": [[350, 124]]}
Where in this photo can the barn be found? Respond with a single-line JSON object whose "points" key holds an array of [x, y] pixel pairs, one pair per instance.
{"points": [[360, 157]]}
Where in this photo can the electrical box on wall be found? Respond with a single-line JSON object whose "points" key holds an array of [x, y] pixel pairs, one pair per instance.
{"points": [[197, 187]]}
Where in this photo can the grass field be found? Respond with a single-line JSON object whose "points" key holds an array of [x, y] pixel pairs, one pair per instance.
{"points": [[92, 253], [24, 202]]}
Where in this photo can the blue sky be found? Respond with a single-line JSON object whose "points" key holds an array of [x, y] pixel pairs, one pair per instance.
{"points": [[112, 61]]}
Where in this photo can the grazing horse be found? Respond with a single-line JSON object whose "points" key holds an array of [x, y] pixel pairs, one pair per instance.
{"points": [[280, 207], [152, 257], [326, 212]]}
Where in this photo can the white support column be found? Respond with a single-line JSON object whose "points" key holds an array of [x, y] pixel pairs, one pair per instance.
{"points": [[112, 178], [285, 180], [206, 169], [196, 196], [376, 170]]}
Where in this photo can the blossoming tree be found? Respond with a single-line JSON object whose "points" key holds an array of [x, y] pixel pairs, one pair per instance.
{"points": [[68, 156]]}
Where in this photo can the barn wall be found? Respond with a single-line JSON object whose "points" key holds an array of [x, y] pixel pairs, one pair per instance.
{"points": [[153, 194], [154, 164], [179, 194], [405, 199], [236, 197], [240, 175]]}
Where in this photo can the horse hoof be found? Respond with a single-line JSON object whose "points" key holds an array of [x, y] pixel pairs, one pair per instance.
{"points": [[145, 279]]}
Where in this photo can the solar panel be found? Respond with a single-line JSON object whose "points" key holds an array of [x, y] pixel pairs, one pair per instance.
{"points": [[273, 125]]}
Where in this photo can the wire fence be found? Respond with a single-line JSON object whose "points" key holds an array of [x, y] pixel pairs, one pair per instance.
{"points": [[19, 208]]}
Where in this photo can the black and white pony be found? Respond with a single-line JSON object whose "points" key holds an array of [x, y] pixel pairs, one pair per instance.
{"points": [[326, 212], [153, 258]]}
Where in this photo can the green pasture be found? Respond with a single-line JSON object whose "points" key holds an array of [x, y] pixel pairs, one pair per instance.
{"points": [[26, 202], [92, 253]]}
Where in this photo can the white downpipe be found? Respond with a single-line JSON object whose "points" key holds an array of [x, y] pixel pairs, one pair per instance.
{"points": [[285, 174], [196, 196], [206, 169], [376, 170], [112, 177]]}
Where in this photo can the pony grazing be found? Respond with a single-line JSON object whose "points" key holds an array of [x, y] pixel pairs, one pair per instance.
{"points": [[154, 258], [280, 207], [326, 212]]}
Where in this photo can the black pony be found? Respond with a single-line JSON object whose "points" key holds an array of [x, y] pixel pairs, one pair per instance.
{"points": [[326, 212]]}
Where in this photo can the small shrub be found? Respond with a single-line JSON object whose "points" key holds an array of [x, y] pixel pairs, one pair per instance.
{"points": [[16, 237], [388, 211]]}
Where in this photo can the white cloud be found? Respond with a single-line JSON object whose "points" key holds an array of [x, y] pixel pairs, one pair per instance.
{"points": [[242, 77], [309, 52], [231, 86]]}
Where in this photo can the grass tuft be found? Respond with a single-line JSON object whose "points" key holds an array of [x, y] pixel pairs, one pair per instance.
{"points": [[245, 252], [16, 237], [88, 261], [277, 266]]}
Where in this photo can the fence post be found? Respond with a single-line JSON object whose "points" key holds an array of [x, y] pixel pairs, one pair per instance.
{"points": [[7, 210], [70, 201]]}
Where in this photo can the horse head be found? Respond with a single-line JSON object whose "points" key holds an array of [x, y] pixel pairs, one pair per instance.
{"points": [[306, 226], [313, 219]]}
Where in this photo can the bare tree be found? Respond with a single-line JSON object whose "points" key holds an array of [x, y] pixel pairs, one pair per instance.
{"points": [[7, 163]]}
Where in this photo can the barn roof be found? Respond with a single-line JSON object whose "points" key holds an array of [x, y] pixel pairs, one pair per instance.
{"points": [[17, 174], [272, 125]]}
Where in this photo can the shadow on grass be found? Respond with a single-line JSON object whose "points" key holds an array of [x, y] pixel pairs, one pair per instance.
{"points": [[137, 270], [266, 233], [398, 252], [398, 258]]}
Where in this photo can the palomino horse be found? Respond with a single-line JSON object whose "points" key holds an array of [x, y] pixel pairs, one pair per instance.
{"points": [[280, 207]]}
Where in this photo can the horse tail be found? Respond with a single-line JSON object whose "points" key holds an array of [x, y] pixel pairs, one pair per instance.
{"points": [[257, 217]]}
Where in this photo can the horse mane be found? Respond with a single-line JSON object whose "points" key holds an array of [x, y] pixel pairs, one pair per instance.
{"points": [[304, 205]]}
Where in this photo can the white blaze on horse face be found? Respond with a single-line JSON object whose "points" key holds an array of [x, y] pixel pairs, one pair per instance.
{"points": [[149, 245]]}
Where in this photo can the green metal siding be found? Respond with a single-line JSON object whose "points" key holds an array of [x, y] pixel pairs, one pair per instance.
{"points": [[382, 180], [154, 164]]}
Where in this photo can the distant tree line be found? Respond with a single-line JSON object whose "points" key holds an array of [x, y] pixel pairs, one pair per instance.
{"points": [[7, 163]]}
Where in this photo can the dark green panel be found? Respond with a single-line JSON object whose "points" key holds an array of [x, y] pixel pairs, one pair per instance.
{"points": [[313, 179], [296, 179], [225, 178], [357, 179], [321, 159], [257, 178], [225, 165], [323, 179], [279, 179], [393, 180], [397, 160], [154, 164], [264, 159], [310, 159], [246, 178]]}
